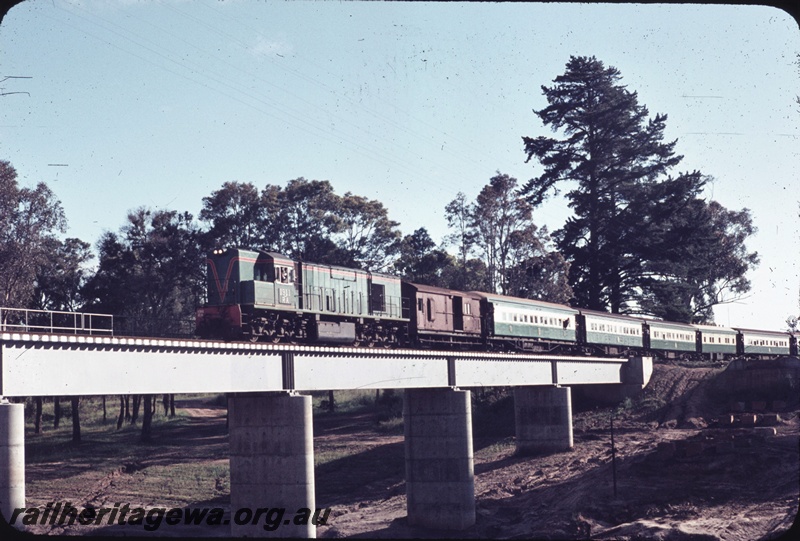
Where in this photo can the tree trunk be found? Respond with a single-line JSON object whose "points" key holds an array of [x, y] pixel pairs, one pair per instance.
{"points": [[76, 419], [37, 422], [137, 400], [128, 407], [172, 405], [104, 409], [56, 411], [165, 402], [149, 404], [331, 401], [121, 418]]}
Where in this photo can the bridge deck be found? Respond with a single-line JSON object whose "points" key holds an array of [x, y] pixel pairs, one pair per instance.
{"points": [[54, 365]]}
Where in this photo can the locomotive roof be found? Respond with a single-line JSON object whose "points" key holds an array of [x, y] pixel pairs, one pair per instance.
{"points": [[517, 300], [273, 255]]}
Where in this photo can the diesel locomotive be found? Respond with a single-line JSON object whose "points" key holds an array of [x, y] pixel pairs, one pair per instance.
{"points": [[266, 296]]}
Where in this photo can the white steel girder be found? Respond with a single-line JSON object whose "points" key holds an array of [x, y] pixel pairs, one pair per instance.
{"points": [[63, 365]]}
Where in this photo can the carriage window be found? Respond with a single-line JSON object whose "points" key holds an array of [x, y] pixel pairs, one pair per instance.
{"points": [[430, 310], [420, 305], [467, 309]]}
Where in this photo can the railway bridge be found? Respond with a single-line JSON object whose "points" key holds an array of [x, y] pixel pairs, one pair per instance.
{"points": [[270, 422]]}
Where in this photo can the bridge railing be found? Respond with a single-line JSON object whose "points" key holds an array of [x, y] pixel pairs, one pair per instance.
{"points": [[54, 321]]}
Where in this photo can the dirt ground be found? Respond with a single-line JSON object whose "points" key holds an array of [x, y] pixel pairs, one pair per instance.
{"points": [[680, 474]]}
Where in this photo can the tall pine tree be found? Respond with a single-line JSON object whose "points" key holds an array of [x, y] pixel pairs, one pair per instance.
{"points": [[611, 149], [640, 240]]}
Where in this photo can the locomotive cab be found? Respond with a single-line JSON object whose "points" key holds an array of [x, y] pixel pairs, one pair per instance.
{"points": [[239, 282]]}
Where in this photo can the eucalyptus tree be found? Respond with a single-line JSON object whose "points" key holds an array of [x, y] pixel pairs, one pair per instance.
{"points": [[150, 277], [365, 235], [507, 240], [305, 220], [700, 260], [458, 214], [236, 214], [30, 221], [421, 262], [58, 285], [150, 273]]}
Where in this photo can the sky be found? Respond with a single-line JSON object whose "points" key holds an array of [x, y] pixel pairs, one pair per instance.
{"points": [[127, 104]]}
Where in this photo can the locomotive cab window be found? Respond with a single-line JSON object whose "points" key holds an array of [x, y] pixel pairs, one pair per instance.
{"points": [[261, 272]]}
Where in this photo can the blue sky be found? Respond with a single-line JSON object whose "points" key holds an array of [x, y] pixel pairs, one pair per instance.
{"points": [[158, 103]]}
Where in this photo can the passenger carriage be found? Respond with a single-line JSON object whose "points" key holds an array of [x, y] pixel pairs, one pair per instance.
{"points": [[757, 344], [527, 324], [611, 334], [671, 340], [717, 343]]}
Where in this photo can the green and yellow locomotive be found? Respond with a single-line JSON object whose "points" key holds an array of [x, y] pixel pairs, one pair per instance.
{"points": [[259, 295]]}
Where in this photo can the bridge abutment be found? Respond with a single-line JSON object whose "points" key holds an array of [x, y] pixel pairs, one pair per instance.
{"points": [[12, 457], [271, 463], [440, 477], [543, 418]]}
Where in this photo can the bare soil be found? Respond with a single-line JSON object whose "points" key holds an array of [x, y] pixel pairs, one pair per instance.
{"points": [[680, 474]]}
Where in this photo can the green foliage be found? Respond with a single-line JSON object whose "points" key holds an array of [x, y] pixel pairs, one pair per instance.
{"points": [[640, 241], [29, 222], [305, 220], [421, 262], [150, 274], [59, 284], [515, 254]]}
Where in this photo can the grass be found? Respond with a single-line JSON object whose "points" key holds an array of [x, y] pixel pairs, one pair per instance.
{"points": [[345, 401], [187, 460]]}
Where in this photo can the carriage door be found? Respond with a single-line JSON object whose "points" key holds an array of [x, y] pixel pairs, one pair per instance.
{"points": [[458, 313]]}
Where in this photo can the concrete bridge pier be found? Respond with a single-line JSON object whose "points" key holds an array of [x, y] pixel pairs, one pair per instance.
{"points": [[543, 417], [440, 478], [12, 457], [272, 463]]}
